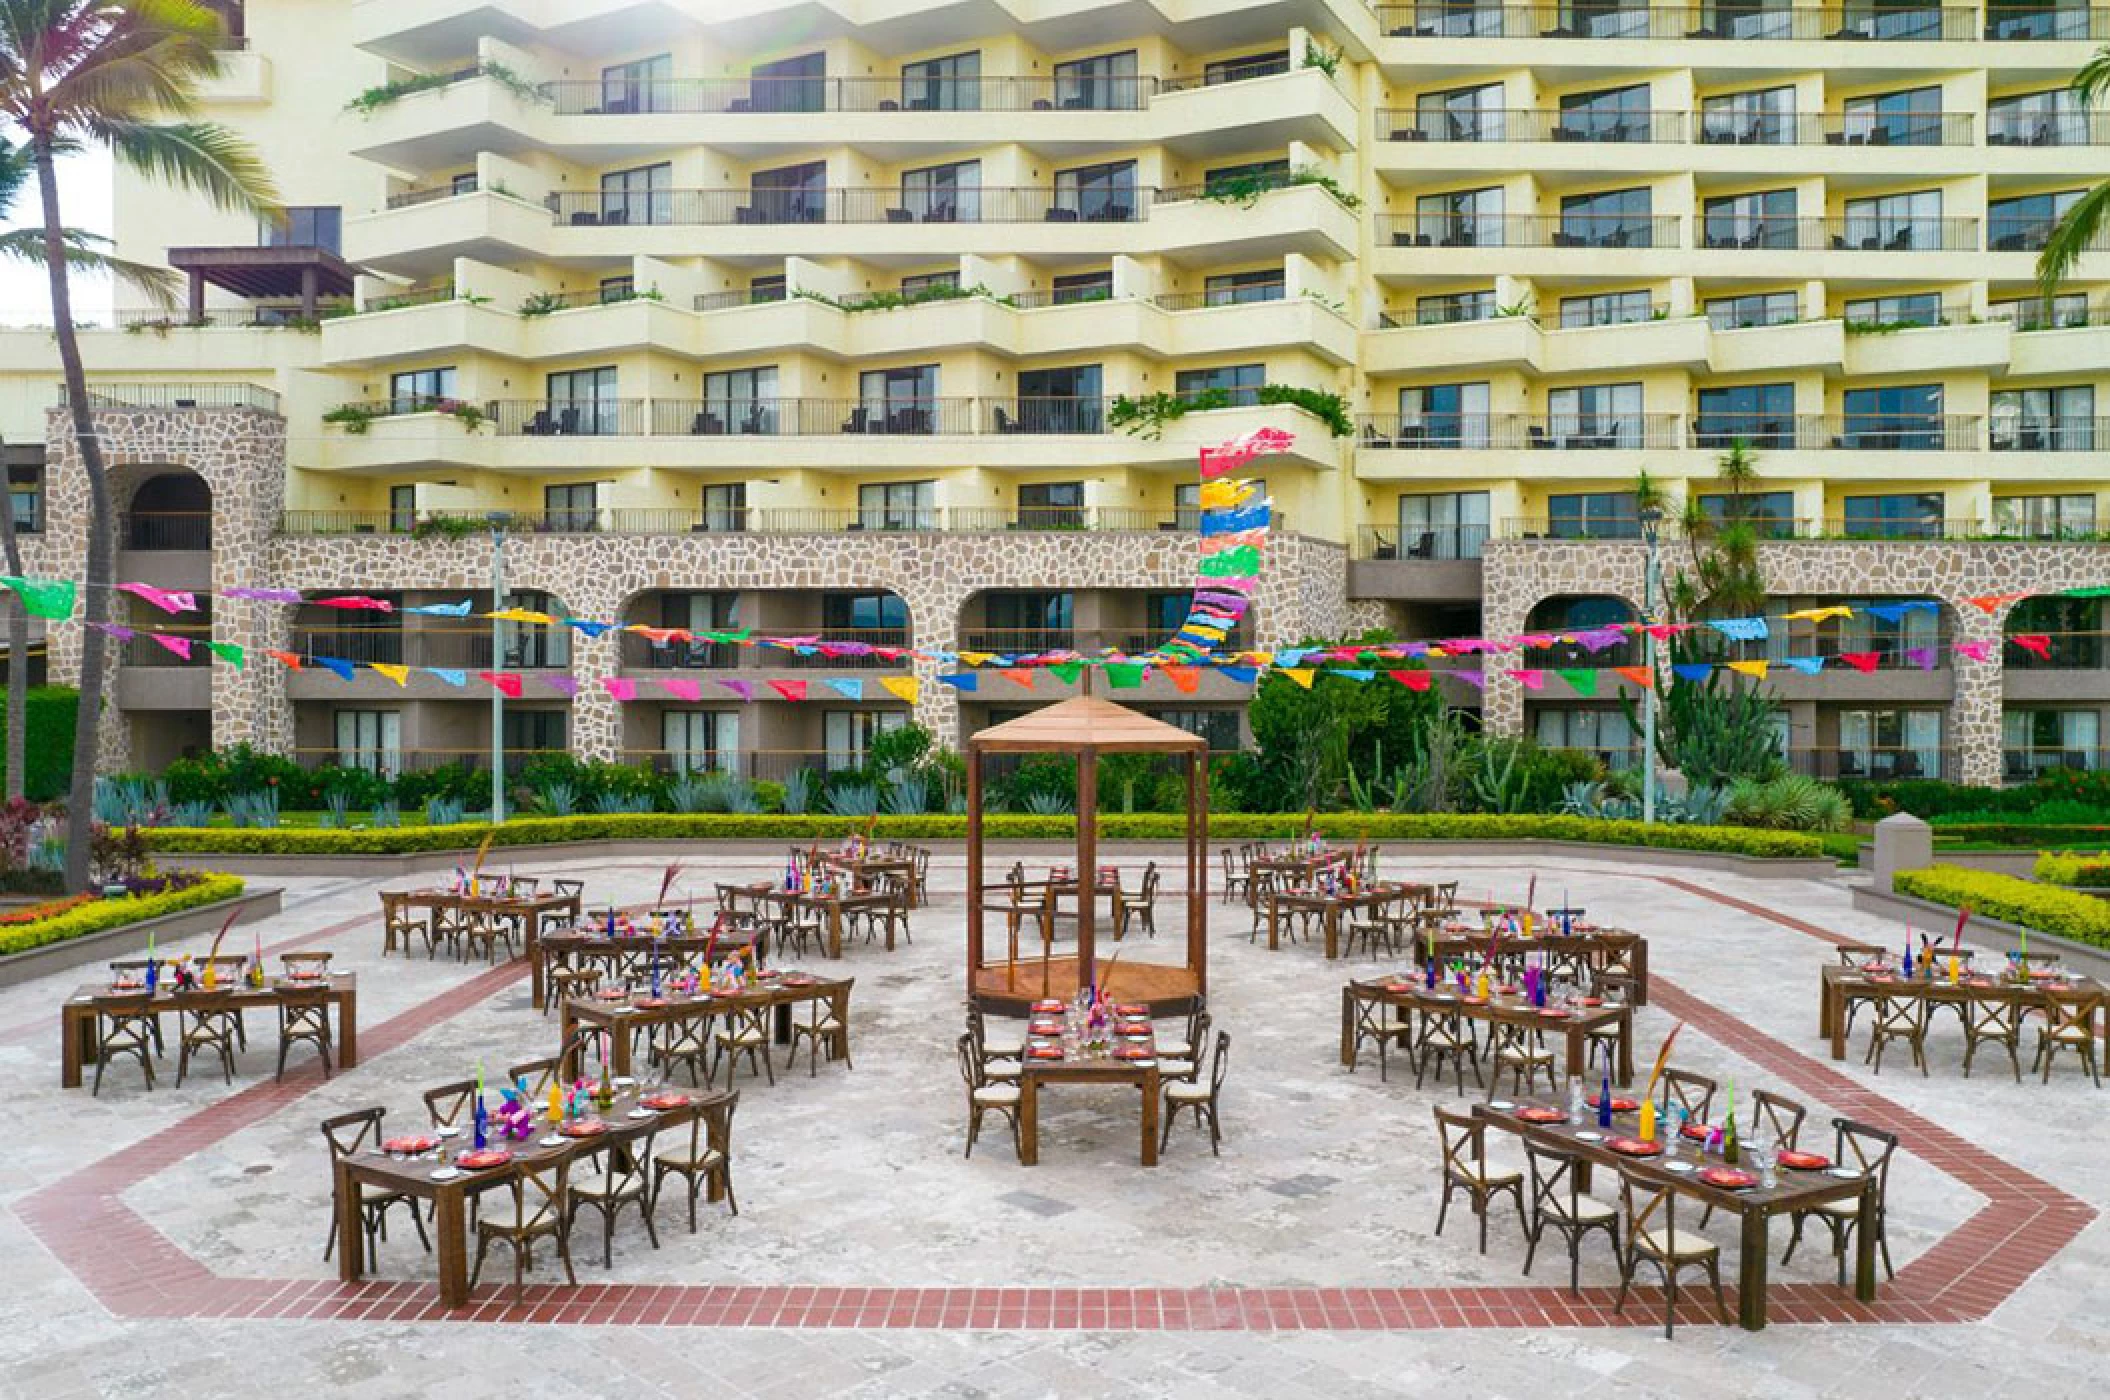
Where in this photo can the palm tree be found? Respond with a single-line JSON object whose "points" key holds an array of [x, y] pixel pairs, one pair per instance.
{"points": [[2076, 231], [121, 74]]}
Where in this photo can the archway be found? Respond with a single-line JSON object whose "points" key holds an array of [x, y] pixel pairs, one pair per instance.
{"points": [[171, 509]]}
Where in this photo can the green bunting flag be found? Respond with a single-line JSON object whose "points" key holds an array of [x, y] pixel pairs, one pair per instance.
{"points": [[1124, 675], [1584, 682], [1066, 671], [1240, 562], [232, 654], [52, 598]]}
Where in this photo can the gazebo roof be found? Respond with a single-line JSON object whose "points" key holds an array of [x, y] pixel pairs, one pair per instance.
{"points": [[1085, 723]]}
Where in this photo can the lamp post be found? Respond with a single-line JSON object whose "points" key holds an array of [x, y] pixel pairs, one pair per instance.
{"points": [[498, 520], [1651, 528]]}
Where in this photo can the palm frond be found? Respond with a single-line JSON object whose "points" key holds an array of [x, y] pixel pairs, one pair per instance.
{"points": [[2092, 82], [202, 157], [2079, 230], [84, 253]]}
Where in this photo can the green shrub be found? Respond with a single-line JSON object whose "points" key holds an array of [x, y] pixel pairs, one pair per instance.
{"points": [[2013, 900], [2055, 868], [2013, 833], [114, 913], [48, 754], [1142, 826]]}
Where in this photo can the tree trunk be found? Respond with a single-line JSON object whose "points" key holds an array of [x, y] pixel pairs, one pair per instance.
{"points": [[17, 654], [97, 581]]}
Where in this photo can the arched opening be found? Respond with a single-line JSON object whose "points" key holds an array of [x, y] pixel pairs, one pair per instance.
{"points": [[171, 510]]}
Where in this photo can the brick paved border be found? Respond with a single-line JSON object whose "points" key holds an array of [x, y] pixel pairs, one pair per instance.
{"points": [[136, 1272]]}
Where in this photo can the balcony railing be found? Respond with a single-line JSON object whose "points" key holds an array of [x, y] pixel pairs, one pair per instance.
{"points": [[1540, 528], [1420, 542], [757, 520], [777, 97], [989, 204], [417, 296], [2009, 235], [1442, 431], [177, 397], [777, 417], [165, 530], [1878, 764], [570, 417], [2070, 651], [1834, 129], [1437, 20], [1864, 235], [1532, 125], [226, 318], [1941, 432], [2075, 434], [2004, 128], [640, 653], [146, 652], [2073, 23], [2027, 765], [1065, 296], [431, 194], [726, 301], [1528, 230], [1245, 294]]}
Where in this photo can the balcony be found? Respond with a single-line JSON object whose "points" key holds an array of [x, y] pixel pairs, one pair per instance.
{"points": [[2047, 23], [2075, 434], [1563, 530], [755, 520], [1856, 235], [178, 398], [2029, 129], [780, 97], [1850, 23], [1880, 765], [1528, 231], [641, 653], [165, 531], [1944, 432], [1533, 125], [1512, 431], [988, 204]]}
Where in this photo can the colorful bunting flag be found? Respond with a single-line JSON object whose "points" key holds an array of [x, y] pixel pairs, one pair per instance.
{"points": [[1124, 675], [1807, 665], [1639, 675], [230, 653], [1529, 678], [1922, 657], [41, 597], [178, 645], [563, 685], [508, 684], [2035, 643], [1580, 681], [343, 670], [790, 690], [1412, 680], [744, 689], [1756, 670], [1692, 670], [1863, 661], [1065, 671], [621, 687], [285, 658], [906, 688], [1302, 675], [263, 595], [1184, 678], [682, 689], [1818, 614], [449, 676], [460, 609], [162, 598], [354, 602], [849, 687], [1019, 675], [523, 615], [399, 674], [1742, 629], [1977, 651]]}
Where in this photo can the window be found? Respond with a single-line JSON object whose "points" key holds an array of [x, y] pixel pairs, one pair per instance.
{"points": [[2044, 517], [1218, 727], [1909, 309], [1597, 19], [1765, 117], [698, 613], [402, 509], [1610, 219], [725, 507], [415, 391], [617, 289], [2074, 626], [901, 400], [1762, 415], [1460, 219], [1082, 287], [1752, 309], [2046, 19], [1445, 525], [25, 495], [1041, 621], [897, 505], [741, 402], [1165, 613], [1461, 114], [1771, 514], [1051, 505], [791, 84], [762, 290], [866, 614], [951, 84], [1253, 65], [1746, 19], [534, 731], [370, 739], [849, 734], [1593, 515], [930, 282], [2044, 420], [1613, 114], [1902, 517], [1762, 220], [1900, 417], [1449, 307], [1243, 288], [2025, 224], [463, 183], [1444, 415], [1594, 416], [1893, 221], [643, 85], [2067, 309], [1253, 175], [1187, 505], [701, 741], [307, 226], [1606, 309], [643, 195], [1240, 383], [943, 194], [582, 401], [1909, 118], [2051, 118], [1888, 637], [1887, 744], [1604, 733], [572, 509], [790, 194], [1096, 193], [2038, 741], [1105, 83], [1059, 401]]}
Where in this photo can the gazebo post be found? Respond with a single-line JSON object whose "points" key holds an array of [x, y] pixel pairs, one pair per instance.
{"points": [[974, 871], [1087, 866]]}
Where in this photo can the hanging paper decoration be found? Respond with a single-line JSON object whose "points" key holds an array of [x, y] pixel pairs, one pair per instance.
{"points": [[460, 609], [1581, 682], [563, 685], [1412, 680], [1692, 670], [399, 674], [1474, 679], [1742, 629], [507, 684], [178, 645], [964, 680], [744, 689], [354, 603], [1302, 675], [457, 679], [1019, 675], [1977, 651], [586, 628], [902, 687], [1922, 657], [1756, 670], [42, 597], [2035, 643], [285, 658], [165, 599], [682, 690], [621, 687], [1807, 665], [230, 653], [849, 687], [1639, 675], [1065, 671], [343, 670], [790, 690], [1186, 679], [523, 615], [115, 631], [1124, 675], [1530, 679], [1818, 614], [1863, 661], [1993, 602], [263, 595]]}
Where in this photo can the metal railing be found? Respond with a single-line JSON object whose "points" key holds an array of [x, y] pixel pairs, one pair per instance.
{"points": [[148, 653], [1436, 20], [2070, 651], [1528, 230], [1441, 431], [726, 301], [1594, 314], [1941, 432], [1878, 764], [771, 96], [2064, 434], [1072, 296], [1946, 314], [2034, 315], [2029, 764], [179, 397], [1412, 543], [1273, 66], [2047, 128], [1531, 125], [2072, 23], [988, 204], [1863, 235], [1044, 416], [569, 417], [1245, 294], [544, 302], [2010, 235], [431, 194], [757, 520], [165, 530], [392, 762], [244, 318], [416, 296], [1445, 313]]}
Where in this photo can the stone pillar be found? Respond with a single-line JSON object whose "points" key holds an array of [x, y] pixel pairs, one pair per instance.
{"points": [[1903, 842], [1974, 729]]}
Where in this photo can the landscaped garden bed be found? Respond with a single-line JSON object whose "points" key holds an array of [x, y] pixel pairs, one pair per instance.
{"points": [[78, 916]]}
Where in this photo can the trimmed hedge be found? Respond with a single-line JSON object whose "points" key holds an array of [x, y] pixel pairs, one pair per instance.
{"points": [[2026, 834], [114, 913], [2054, 868], [48, 753], [1344, 826], [2013, 900]]}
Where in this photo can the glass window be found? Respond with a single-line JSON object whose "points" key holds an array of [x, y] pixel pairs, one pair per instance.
{"points": [[790, 194], [1770, 513], [25, 493], [2026, 223], [307, 226], [1460, 219], [1219, 727], [1888, 637], [1240, 288], [1443, 309], [402, 509], [952, 84], [1606, 309], [1898, 417], [899, 400], [644, 85], [1752, 309], [849, 734], [1066, 400], [1461, 114], [1762, 415], [1444, 415], [1765, 117], [761, 290], [640, 196], [868, 611], [1608, 219], [701, 741], [1887, 744], [1594, 415], [1051, 505], [2066, 310], [1594, 515], [742, 402], [725, 507], [1604, 733], [1908, 309], [1035, 620], [2074, 626], [1239, 383], [897, 505], [414, 391], [1912, 117], [1237, 70], [572, 508], [943, 194], [581, 401], [1253, 175], [2054, 117], [930, 282], [2044, 517], [1765, 219], [2045, 19], [1443, 525], [1096, 193], [791, 84], [2044, 420], [1613, 114], [531, 646], [1746, 19], [1102, 84], [1899, 517], [370, 739], [2038, 741], [1082, 287], [1893, 221]]}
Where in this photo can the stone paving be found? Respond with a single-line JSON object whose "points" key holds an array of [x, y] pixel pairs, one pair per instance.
{"points": [[174, 1239]]}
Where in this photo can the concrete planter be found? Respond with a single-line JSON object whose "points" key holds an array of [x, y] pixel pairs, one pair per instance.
{"points": [[252, 904]]}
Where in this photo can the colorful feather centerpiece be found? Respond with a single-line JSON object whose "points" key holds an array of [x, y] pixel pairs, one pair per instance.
{"points": [[666, 882], [1963, 916], [482, 850], [1662, 1060], [212, 954]]}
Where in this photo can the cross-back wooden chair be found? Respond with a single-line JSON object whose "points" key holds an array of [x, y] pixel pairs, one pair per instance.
{"points": [[451, 1105], [705, 1160], [1992, 1020], [624, 1179], [1559, 1203], [541, 1197], [1899, 1015], [1650, 1211], [1463, 1140], [1682, 1088], [1379, 1022], [538, 1075], [403, 926], [304, 1019], [1204, 1099], [2069, 1024], [985, 1097], [1521, 1050], [126, 1027], [349, 1134], [1866, 1149], [823, 1032], [1443, 1033]]}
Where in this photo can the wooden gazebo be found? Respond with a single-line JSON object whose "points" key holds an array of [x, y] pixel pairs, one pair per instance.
{"points": [[1085, 727]]}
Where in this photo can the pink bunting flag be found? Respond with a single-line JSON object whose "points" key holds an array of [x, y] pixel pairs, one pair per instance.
{"points": [[563, 685], [162, 598], [790, 690], [1228, 457], [354, 602], [621, 687], [744, 689], [178, 645], [1474, 679], [683, 690], [1977, 651], [1530, 679], [2035, 643], [507, 683]]}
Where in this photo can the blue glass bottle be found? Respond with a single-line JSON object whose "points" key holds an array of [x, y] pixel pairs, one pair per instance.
{"points": [[483, 1124], [1604, 1103]]}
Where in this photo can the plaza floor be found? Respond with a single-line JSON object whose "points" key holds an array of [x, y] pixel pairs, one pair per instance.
{"points": [[173, 1241]]}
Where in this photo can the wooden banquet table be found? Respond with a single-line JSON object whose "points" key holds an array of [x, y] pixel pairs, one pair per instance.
{"points": [[1329, 908], [531, 910], [867, 870], [1411, 992], [622, 1020], [1598, 949], [1035, 1073], [832, 907], [1754, 1206], [413, 1177], [1842, 985], [577, 946], [77, 1017]]}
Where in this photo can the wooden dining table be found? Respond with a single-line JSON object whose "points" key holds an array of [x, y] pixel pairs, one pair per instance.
{"points": [[1839, 986], [1754, 1206], [868, 870], [447, 1199], [574, 947], [832, 906], [1329, 907], [532, 911], [1600, 950], [1139, 1072], [624, 1019], [1411, 992], [79, 1046]]}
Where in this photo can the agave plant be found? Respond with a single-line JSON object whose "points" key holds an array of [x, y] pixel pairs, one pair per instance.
{"points": [[801, 791], [853, 800], [1047, 804], [558, 799], [337, 809], [687, 792], [389, 813], [131, 801], [258, 808], [190, 813], [907, 795], [444, 811], [612, 804]]}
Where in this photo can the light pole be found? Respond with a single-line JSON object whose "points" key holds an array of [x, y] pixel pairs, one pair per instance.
{"points": [[1651, 526], [498, 520]]}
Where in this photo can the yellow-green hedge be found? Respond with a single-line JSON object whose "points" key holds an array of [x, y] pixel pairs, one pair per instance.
{"points": [[1341, 826], [115, 913], [2013, 900], [2060, 868]]}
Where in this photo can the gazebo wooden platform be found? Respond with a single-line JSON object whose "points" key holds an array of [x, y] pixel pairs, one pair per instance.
{"points": [[1085, 727]]}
